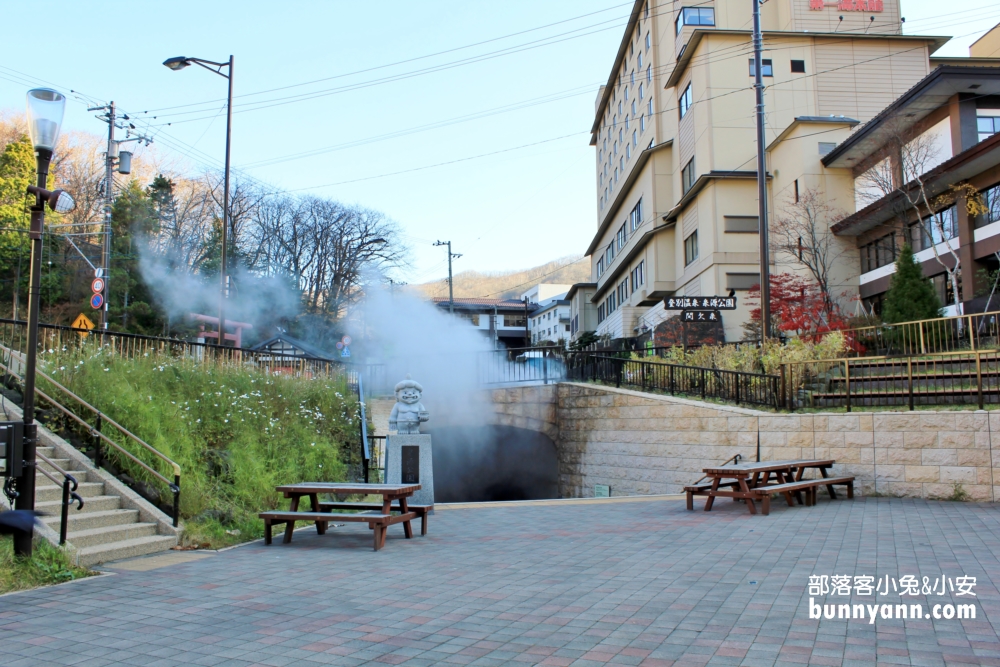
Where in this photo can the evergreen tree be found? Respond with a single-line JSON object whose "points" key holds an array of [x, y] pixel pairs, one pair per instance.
{"points": [[133, 219], [911, 296]]}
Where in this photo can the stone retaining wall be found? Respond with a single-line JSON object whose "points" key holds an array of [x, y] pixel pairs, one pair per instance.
{"points": [[640, 443]]}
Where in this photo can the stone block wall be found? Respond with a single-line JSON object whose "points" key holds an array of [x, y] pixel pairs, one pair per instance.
{"points": [[639, 443]]}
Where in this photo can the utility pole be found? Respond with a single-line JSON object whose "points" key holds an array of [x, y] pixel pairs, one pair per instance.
{"points": [[451, 285], [765, 261], [109, 201], [124, 164]]}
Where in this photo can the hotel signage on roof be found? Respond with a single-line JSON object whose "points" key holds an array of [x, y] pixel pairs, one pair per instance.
{"points": [[847, 5]]}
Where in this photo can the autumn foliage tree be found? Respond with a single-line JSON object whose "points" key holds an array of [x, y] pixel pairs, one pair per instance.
{"points": [[798, 306]]}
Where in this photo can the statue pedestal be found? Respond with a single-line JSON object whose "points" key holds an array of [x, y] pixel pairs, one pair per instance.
{"points": [[409, 460]]}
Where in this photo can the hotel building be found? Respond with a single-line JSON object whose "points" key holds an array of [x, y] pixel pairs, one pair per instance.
{"points": [[675, 147]]}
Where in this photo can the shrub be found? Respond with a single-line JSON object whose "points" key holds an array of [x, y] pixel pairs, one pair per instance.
{"points": [[236, 432]]}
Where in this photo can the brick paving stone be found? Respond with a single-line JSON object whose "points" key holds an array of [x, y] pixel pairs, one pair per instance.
{"points": [[644, 583]]}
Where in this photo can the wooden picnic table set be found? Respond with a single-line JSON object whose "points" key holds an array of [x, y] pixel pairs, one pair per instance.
{"points": [[750, 482], [394, 508]]}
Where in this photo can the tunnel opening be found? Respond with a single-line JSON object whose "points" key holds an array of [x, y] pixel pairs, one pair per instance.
{"points": [[493, 463]]}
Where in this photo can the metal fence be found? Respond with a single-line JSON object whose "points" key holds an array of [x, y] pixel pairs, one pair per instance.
{"points": [[14, 334], [733, 386], [518, 365], [947, 378], [941, 334]]}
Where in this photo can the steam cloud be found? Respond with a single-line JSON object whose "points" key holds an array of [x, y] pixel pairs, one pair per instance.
{"points": [[254, 299]]}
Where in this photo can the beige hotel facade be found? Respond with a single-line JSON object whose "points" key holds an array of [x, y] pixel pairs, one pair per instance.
{"points": [[675, 144]]}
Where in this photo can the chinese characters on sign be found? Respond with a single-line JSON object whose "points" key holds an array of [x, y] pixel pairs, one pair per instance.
{"points": [[848, 5], [841, 584], [701, 316], [696, 302]]}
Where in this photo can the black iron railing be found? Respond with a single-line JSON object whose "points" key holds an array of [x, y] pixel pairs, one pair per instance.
{"points": [[731, 386], [69, 495]]}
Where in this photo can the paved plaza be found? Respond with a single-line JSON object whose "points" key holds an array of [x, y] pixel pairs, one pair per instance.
{"points": [[562, 583]]}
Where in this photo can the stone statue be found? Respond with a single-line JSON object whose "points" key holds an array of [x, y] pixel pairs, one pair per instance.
{"points": [[408, 412]]}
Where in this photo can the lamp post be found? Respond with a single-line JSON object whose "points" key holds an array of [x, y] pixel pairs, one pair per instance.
{"points": [[179, 63], [45, 115]]}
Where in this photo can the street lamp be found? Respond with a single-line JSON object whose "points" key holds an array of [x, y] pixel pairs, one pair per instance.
{"points": [[179, 63], [45, 115]]}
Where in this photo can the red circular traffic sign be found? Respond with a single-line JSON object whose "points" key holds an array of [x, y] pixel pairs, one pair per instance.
{"points": [[97, 285], [96, 301]]}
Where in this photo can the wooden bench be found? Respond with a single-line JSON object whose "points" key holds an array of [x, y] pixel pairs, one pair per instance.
{"points": [[421, 511], [807, 485], [377, 522], [700, 489]]}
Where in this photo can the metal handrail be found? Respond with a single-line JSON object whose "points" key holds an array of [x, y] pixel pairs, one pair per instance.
{"points": [[69, 494], [888, 357], [96, 433]]}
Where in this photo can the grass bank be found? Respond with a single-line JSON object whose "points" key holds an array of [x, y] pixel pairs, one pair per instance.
{"points": [[235, 432], [48, 565]]}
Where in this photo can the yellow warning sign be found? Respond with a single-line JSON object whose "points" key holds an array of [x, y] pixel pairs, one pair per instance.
{"points": [[83, 322]]}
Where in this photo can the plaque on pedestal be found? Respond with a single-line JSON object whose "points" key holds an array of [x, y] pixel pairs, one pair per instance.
{"points": [[409, 460]]}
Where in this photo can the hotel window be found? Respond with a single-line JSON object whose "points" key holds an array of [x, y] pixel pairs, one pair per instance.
{"points": [[650, 106], [687, 176], [631, 78], [639, 275], [622, 236], [826, 147], [988, 126], [684, 102], [991, 197], [638, 64], [633, 105], [934, 229], [626, 93], [642, 93], [642, 124], [628, 151], [623, 291], [635, 138], [765, 69], [649, 40], [600, 267], [691, 248], [620, 134], [878, 253], [619, 109], [635, 217], [649, 73], [742, 281], [695, 16], [799, 66], [626, 118], [600, 313], [609, 255], [621, 165], [616, 174]]}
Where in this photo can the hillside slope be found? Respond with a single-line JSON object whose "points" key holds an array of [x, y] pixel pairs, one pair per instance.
{"points": [[510, 284]]}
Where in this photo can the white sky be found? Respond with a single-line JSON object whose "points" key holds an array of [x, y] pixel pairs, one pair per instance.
{"points": [[522, 206]]}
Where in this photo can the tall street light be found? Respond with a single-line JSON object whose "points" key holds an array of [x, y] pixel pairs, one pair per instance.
{"points": [[179, 63], [45, 115]]}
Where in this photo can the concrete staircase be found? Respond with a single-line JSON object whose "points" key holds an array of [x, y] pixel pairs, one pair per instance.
{"points": [[103, 530], [115, 522]]}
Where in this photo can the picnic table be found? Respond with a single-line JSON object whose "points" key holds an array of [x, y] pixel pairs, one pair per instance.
{"points": [[751, 482], [378, 516]]}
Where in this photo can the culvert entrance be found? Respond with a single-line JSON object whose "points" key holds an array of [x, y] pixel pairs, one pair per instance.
{"points": [[492, 463]]}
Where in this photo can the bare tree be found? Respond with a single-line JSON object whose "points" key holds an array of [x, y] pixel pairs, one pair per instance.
{"points": [[801, 231], [902, 175]]}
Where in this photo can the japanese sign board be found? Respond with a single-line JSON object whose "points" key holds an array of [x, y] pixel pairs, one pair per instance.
{"points": [[703, 302], [701, 316], [848, 5]]}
